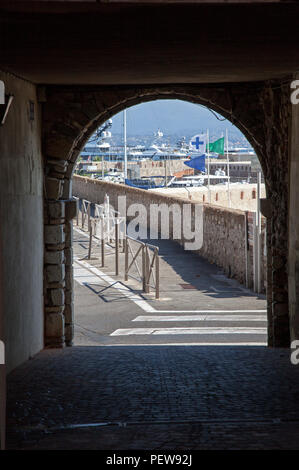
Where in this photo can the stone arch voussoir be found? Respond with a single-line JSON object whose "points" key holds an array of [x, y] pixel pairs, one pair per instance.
{"points": [[71, 114]]}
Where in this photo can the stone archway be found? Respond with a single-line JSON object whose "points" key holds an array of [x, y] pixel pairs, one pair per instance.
{"points": [[261, 110]]}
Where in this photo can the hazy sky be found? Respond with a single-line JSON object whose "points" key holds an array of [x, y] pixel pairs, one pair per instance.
{"points": [[171, 117]]}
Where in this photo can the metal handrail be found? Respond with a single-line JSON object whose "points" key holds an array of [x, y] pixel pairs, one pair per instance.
{"points": [[104, 227], [149, 267], [85, 212], [128, 248], [106, 237]]}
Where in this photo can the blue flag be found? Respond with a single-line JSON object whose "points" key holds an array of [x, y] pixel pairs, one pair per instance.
{"points": [[198, 163]]}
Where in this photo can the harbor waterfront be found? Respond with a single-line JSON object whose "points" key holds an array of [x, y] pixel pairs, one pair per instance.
{"points": [[189, 162], [220, 172]]}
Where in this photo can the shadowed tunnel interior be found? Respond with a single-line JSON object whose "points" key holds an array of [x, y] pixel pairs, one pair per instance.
{"points": [[67, 67]]}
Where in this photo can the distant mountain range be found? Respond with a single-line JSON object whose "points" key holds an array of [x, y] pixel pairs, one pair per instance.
{"points": [[235, 139], [172, 117]]}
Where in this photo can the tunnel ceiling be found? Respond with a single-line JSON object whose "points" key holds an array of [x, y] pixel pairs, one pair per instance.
{"points": [[102, 43]]}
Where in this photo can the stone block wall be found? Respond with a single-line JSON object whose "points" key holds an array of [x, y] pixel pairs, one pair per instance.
{"points": [[224, 240], [58, 279], [223, 229]]}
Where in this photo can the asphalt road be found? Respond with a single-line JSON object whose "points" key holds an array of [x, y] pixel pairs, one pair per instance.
{"points": [[198, 304]]}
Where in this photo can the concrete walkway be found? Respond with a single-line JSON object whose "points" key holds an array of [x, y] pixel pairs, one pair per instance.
{"points": [[198, 304], [158, 391]]}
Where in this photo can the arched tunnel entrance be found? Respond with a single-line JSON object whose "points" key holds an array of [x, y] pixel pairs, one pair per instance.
{"points": [[76, 66], [71, 115], [104, 389], [182, 287]]}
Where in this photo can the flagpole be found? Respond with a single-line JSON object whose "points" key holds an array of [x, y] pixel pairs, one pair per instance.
{"points": [[228, 175], [208, 140], [125, 145]]}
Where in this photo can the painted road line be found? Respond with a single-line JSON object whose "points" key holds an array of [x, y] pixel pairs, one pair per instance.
{"points": [[211, 311], [245, 343], [190, 331], [116, 285], [143, 304], [178, 318]]}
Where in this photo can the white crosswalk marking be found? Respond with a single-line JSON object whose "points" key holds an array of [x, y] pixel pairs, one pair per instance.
{"points": [[202, 331], [211, 311], [248, 335], [223, 317], [189, 331]]}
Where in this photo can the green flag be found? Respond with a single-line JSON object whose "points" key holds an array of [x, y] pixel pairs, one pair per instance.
{"points": [[217, 146]]}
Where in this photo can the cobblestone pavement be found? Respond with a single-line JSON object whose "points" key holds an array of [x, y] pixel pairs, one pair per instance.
{"points": [[155, 397], [107, 393]]}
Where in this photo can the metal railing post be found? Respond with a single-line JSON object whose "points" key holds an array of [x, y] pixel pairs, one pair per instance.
{"points": [[80, 210], [143, 269], [157, 274], [148, 266], [77, 211], [102, 242], [147, 270], [82, 213], [116, 248], [90, 241], [124, 237], [126, 257], [88, 215]]}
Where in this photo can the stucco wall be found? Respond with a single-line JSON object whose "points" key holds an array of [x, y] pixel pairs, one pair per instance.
{"points": [[223, 229], [21, 229]]}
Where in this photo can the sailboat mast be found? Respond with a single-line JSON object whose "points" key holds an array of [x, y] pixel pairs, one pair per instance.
{"points": [[125, 146], [228, 176]]}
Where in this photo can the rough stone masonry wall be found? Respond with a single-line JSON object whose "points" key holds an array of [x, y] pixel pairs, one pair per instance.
{"points": [[276, 106], [58, 259], [261, 110], [223, 229], [224, 240]]}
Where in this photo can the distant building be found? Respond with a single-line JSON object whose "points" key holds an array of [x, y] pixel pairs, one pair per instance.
{"points": [[236, 169]]}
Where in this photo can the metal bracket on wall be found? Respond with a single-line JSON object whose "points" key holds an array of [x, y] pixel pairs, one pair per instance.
{"points": [[4, 108]]}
